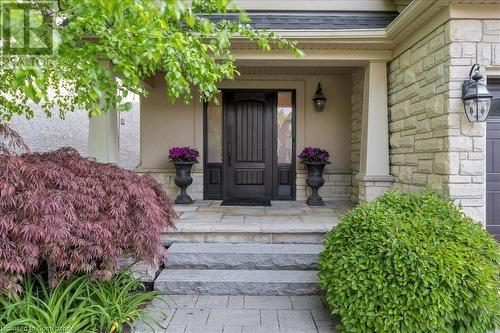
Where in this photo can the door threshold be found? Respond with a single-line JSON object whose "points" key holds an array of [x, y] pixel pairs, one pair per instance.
{"points": [[246, 202]]}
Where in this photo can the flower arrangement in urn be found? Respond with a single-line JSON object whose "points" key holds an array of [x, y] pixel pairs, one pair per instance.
{"points": [[314, 159], [183, 154], [183, 159], [310, 154]]}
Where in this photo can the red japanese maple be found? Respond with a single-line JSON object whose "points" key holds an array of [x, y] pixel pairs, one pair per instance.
{"points": [[76, 214]]}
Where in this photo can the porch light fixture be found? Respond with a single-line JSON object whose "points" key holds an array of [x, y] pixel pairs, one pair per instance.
{"points": [[476, 97], [319, 99]]}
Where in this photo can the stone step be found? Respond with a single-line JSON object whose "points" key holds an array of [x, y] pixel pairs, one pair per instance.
{"points": [[243, 256], [237, 282], [170, 237]]}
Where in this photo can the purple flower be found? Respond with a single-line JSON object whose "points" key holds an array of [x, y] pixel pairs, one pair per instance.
{"points": [[310, 154], [183, 154]]}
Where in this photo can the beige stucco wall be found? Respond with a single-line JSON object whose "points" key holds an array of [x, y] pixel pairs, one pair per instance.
{"points": [[431, 141], [164, 124]]}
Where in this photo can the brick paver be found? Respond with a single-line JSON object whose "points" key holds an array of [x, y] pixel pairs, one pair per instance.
{"points": [[241, 314]]}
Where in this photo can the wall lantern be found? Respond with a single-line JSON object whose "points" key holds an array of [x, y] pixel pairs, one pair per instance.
{"points": [[319, 99], [476, 97]]}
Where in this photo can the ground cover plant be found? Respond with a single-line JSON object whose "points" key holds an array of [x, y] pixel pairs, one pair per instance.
{"points": [[77, 305], [411, 263], [77, 215]]}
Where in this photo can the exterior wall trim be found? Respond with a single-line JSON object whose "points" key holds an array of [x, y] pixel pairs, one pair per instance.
{"points": [[331, 34], [492, 71], [412, 15], [351, 55], [375, 178], [317, 5]]}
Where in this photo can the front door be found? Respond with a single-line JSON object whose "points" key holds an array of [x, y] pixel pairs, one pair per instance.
{"points": [[248, 145]]}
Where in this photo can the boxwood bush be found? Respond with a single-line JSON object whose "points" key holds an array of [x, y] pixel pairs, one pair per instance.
{"points": [[411, 263]]}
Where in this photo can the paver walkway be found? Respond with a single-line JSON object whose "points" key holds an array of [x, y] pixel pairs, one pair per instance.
{"points": [[243, 314]]}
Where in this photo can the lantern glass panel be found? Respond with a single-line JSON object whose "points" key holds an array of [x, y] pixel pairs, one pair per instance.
{"points": [[483, 105], [320, 104], [471, 109]]}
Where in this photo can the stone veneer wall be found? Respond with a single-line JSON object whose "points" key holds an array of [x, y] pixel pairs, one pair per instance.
{"points": [[337, 184], [471, 41], [166, 179], [431, 140], [358, 78]]}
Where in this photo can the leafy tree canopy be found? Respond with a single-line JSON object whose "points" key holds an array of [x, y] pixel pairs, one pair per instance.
{"points": [[139, 38]]}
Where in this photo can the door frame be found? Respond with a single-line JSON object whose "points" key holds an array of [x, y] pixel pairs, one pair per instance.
{"points": [[493, 84], [213, 179]]}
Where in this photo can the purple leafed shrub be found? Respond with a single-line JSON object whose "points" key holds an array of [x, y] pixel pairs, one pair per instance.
{"points": [[310, 154], [183, 154], [78, 215], [10, 140]]}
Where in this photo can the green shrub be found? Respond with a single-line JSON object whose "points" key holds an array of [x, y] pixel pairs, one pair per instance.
{"points": [[77, 305], [411, 263]]}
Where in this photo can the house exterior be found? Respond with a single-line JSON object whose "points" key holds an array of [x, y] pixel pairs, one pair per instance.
{"points": [[43, 134], [392, 73]]}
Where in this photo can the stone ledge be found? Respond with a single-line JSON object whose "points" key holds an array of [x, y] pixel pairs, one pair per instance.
{"points": [[168, 239], [375, 178]]}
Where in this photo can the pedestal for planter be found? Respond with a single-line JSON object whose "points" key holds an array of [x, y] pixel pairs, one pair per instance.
{"points": [[183, 179], [315, 181]]}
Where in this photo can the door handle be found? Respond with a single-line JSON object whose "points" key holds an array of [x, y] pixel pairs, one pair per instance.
{"points": [[229, 145]]}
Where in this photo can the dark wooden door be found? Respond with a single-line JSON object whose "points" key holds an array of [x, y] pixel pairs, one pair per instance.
{"points": [[248, 144], [493, 162]]}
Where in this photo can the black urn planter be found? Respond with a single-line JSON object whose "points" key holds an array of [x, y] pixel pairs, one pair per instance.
{"points": [[183, 179], [315, 181]]}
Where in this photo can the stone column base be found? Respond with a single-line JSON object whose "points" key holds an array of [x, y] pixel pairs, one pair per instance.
{"points": [[371, 187], [140, 270]]}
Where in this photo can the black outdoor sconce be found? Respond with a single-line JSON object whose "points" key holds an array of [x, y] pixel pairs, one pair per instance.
{"points": [[476, 97], [319, 99]]}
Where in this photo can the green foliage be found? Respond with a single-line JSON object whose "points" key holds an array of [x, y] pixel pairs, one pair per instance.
{"points": [[139, 38], [411, 263], [76, 306], [42, 310], [121, 300]]}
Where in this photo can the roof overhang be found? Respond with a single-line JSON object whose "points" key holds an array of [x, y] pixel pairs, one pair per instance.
{"points": [[419, 16]]}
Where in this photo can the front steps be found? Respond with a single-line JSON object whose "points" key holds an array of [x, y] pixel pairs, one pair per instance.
{"points": [[243, 256], [240, 269], [279, 233]]}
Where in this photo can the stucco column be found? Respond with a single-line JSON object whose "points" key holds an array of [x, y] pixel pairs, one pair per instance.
{"points": [[104, 133], [374, 174]]}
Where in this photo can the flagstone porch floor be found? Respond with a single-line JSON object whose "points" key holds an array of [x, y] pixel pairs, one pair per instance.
{"points": [[208, 221]]}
